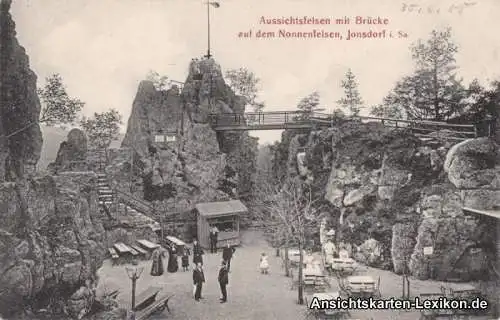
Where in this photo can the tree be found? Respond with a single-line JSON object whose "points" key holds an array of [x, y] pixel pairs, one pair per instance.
{"points": [[58, 108], [245, 83], [387, 111], [309, 105], [288, 213], [352, 99], [160, 82], [433, 91], [102, 128]]}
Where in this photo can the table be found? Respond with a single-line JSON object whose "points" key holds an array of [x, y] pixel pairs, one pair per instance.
{"points": [[148, 244], [343, 264], [122, 248], [361, 284]]}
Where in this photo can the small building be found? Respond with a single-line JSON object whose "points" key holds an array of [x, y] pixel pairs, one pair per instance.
{"points": [[225, 215]]}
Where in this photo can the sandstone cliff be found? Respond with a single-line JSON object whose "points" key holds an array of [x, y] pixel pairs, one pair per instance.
{"points": [[72, 153], [50, 244], [191, 163], [392, 195], [20, 135]]}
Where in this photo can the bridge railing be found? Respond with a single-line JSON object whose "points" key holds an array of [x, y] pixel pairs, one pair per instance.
{"points": [[258, 118], [420, 127], [425, 127]]}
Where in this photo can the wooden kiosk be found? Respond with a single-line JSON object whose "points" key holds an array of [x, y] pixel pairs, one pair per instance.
{"points": [[225, 216]]}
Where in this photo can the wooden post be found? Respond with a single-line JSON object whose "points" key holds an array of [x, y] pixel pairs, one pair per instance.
{"points": [[301, 267], [134, 282]]}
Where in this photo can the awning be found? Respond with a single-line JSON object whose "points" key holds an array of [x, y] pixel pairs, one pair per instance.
{"points": [[223, 208]]}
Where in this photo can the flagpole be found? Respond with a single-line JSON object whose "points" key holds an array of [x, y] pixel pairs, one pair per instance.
{"points": [[208, 29]]}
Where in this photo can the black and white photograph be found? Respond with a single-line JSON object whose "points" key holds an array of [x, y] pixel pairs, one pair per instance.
{"points": [[249, 159]]}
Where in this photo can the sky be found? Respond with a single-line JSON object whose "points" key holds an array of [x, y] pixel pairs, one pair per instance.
{"points": [[104, 48]]}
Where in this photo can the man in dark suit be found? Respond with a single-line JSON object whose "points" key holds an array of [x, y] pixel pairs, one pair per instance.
{"points": [[227, 255], [214, 234], [223, 281], [197, 252], [198, 279]]}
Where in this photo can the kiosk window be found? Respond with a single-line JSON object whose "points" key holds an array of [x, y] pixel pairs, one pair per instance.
{"points": [[225, 224]]}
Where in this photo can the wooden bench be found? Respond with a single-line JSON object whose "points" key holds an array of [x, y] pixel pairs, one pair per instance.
{"points": [[141, 251], [155, 307], [148, 245], [146, 297], [134, 252], [114, 255]]}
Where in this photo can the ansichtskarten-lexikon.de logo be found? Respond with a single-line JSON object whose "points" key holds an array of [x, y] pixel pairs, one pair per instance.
{"points": [[392, 303]]}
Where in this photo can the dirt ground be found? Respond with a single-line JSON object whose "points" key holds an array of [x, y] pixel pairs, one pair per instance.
{"points": [[251, 295]]}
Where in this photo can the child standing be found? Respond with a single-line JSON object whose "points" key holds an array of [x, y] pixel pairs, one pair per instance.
{"points": [[264, 264], [185, 259]]}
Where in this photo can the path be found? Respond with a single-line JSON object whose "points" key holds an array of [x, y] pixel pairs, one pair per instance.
{"points": [[251, 294]]}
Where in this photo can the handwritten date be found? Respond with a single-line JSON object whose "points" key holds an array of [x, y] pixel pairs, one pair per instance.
{"points": [[454, 8]]}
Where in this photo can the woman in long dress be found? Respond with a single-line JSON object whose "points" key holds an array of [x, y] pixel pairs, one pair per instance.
{"points": [[173, 264], [157, 266]]}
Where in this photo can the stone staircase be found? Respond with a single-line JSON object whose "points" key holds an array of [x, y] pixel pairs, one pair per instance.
{"points": [[125, 213], [105, 193]]}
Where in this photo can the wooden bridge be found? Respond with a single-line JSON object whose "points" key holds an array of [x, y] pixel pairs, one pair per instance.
{"points": [[282, 120]]}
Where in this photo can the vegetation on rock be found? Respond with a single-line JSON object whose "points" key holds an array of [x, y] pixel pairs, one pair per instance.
{"points": [[352, 99], [58, 108], [102, 128]]}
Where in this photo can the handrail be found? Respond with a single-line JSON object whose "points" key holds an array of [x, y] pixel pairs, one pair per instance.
{"points": [[137, 200]]}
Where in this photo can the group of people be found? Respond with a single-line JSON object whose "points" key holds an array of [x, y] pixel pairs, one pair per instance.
{"points": [[157, 268], [199, 274]]}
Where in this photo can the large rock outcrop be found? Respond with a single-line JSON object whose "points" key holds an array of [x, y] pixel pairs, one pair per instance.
{"points": [[21, 140], [72, 154], [393, 196], [50, 243], [182, 160]]}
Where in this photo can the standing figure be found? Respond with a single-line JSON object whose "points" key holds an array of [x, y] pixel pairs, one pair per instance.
{"points": [[157, 266], [330, 251], [198, 279], [197, 253], [264, 264], [223, 281], [227, 255], [173, 264], [185, 259], [214, 234]]}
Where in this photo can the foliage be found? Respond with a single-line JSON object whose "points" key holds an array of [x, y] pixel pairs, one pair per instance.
{"points": [[161, 83], [432, 91], [352, 100], [338, 114], [58, 108], [309, 105], [287, 210], [102, 128], [387, 111], [245, 83]]}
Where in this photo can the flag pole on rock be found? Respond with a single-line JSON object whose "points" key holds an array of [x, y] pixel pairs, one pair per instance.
{"points": [[215, 5]]}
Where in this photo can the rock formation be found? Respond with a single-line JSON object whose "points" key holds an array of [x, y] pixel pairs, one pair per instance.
{"points": [[20, 135], [50, 244], [395, 196], [73, 152], [183, 160], [50, 227]]}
